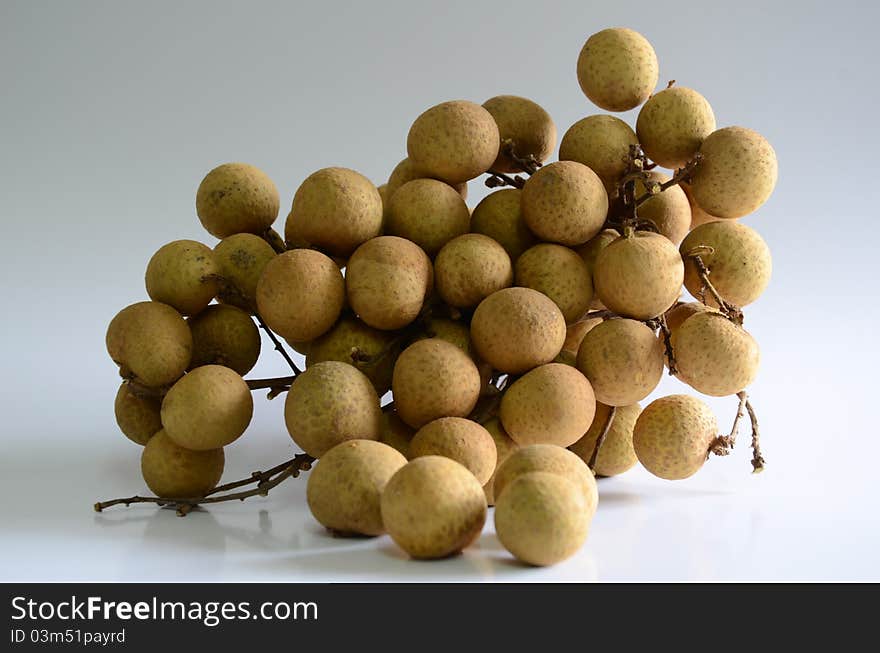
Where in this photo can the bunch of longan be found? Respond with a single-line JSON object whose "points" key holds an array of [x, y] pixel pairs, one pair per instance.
{"points": [[516, 339]]}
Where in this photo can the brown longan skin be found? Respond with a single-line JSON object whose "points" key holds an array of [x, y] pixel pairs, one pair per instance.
{"points": [[623, 360], [499, 216], [561, 274], [453, 141], [236, 198], [183, 274], [225, 335], [460, 439], [525, 126], [208, 408], [603, 144], [617, 69], [434, 378], [395, 432], [616, 455], [345, 486], [372, 345], [138, 417], [241, 259], [335, 210], [672, 435], [407, 171], [469, 268], [300, 294], [504, 446], [673, 124], [564, 202], [669, 211], [551, 404], [174, 472], [428, 212]]}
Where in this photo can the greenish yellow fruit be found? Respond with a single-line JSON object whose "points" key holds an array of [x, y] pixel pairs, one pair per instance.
{"points": [[601, 143], [395, 432], [451, 331], [589, 251], [428, 212], [673, 124], [469, 268], [499, 216], [525, 127], [173, 472], [241, 259], [561, 274], [460, 439], [406, 171], [617, 69], [669, 210], [351, 341], [698, 215], [504, 446], [676, 316], [225, 335], [236, 198], [575, 333], [138, 417], [616, 455], [183, 274]]}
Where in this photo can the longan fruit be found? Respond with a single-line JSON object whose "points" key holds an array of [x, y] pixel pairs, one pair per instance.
{"points": [[428, 212], [433, 507], [300, 294], [623, 360], [236, 198], [387, 281], [458, 333], [174, 472], [335, 210], [542, 518], [589, 251], [715, 356], [469, 268], [225, 335], [406, 171], [617, 69], [737, 173], [499, 216], [565, 202], [639, 275], [525, 127], [504, 446], [575, 333], [138, 417], [183, 275], [676, 316], [616, 455], [698, 215], [460, 439], [517, 329], [454, 141], [669, 210], [434, 378], [561, 274], [672, 435], [395, 432], [673, 124], [329, 403], [739, 265], [241, 259], [208, 408], [345, 486], [601, 143]]}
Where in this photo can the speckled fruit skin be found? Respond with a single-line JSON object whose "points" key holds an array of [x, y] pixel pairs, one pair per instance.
{"points": [[673, 124], [499, 216], [434, 378], [575, 333], [623, 360], [698, 215], [225, 335], [150, 340], [737, 173], [172, 471], [330, 403], [542, 519], [180, 274], [345, 486], [602, 143], [517, 329], [433, 507], [429, 213], [335, 210], [552, 404], [138, 417], [670, 210], [740, 265], [406, 171], [589, 251], [241, 259], [672, 436], [460, 439], [236, 198], [387, 280], [616, 454], [396, 433], [676, 316], [504, 446], [639, 276], [454, 141], [300, 294], [552, 459], [525, 125], [617, 69], [348, 334], [714, 356], [561, 274], [565, 202], [208, 408], [452, 331], [469, 268]]}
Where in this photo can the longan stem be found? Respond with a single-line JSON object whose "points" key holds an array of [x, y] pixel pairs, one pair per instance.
{"points": [[682, 174], [757, 458], [601, 439], [660, 323], [498, 179], [278, 346], [723, 444], [731, 311]]}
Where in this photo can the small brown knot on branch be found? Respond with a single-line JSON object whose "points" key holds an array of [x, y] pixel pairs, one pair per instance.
{"points": [[500, 179], [670, 83], [528, 164], [682, 174], [659, 324]]}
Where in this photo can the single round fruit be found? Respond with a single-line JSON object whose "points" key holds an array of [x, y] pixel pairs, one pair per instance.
{"points": [[601, 143], [561, 274], [673, 124], [698, 215], [452, 331], [225, 335], [575, 333], [669, 210], [351, 341], [183, 274], [617, 69], [241, 259], [460, 439], [499, 216], [395, 432], [676, 316], [236, 198], [524, 127], [429, 213], [469, 268], [589, 251], [138, 417], [174, 472], [616, 455], [504, 446], [406, 171]]}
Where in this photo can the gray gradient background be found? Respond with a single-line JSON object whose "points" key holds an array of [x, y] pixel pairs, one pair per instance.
{"points": [[113, 111]]}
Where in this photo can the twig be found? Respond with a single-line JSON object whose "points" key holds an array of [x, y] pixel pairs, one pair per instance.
{"points": [[757, 458], [277, 384], [731, 311], [278, 346], [601, 439], [660, 323], [723, 444], [498, 179], [528, 164], [682, 174]]}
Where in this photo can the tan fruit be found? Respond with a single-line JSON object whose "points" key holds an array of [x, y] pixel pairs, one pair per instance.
{"points": [[575, 333], [460, 439], [300, 294], [183, 275], [434, 378], [469, 268], [517, 329], [737, 257], [603, 144], [616, 455], [676, 316], [346, 484], [589, 251], [565, 202], [236, 198], [561, 274], [714, 356], [353, 342], [504, 446], [452, 331], [542, 519], [524, 127], [241, 259], [433, 507], [172, 471], [737, 173], [623, 360], [387, 280], [395, 432], [499, 216], [617, 69], [672, 436], [429, 213], [406, 171], [639, 276], [207, 409], [673, 124], [698, 215], [225, 335], [552, 404], [138, 417], [454, 141], [669, 210]]}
